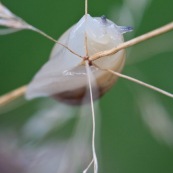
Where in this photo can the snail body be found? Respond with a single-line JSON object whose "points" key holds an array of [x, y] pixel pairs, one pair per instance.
{"points": [[64, 77]]}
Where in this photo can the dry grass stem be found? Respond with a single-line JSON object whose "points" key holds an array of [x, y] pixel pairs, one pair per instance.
{"points": [[86, 7], [52, 39], [15, 23], [85, 171], [134, 41], [90, 80], [12, 95], [141, 83]]}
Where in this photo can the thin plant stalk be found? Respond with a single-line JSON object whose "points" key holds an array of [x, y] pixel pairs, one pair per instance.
{"points": [[144, 37], [141, 83], [86, 39], [5, 99], [89, 77]]}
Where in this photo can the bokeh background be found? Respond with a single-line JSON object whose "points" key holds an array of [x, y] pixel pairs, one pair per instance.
{"points": [[136, 133]]}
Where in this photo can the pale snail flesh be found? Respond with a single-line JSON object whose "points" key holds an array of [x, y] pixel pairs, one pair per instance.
{"points": [[64, 78]]}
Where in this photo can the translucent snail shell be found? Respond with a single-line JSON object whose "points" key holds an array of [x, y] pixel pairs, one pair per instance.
{"points": [[63, 77]]}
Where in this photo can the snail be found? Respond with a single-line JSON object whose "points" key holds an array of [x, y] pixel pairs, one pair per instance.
{"points": [[63, 77]]}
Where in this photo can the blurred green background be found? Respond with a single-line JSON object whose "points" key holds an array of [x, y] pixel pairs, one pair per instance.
{"points": [[136, 123]]}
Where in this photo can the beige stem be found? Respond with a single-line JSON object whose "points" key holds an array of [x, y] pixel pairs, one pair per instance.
{"points": [[132, 42], [141, 83], [12, 95]]}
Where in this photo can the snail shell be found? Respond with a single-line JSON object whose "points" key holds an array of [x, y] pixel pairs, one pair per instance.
{"points": [[64, 78]]}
